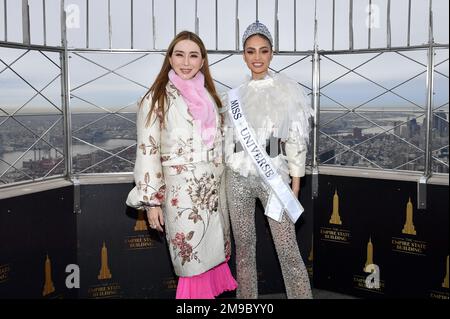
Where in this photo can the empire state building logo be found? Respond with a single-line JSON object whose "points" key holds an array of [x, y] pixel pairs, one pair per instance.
{"points": [[369, 260], [140, 223], [311, 253], [408, 228], [105, 273], [445, 282], [49, 287], [335, 218]]}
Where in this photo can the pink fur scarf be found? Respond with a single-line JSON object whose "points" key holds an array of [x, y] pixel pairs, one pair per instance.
{"points": [[200, 107]]}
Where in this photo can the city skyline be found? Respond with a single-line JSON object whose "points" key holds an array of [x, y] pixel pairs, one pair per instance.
{"points": [[373, 149], [105, 86]]}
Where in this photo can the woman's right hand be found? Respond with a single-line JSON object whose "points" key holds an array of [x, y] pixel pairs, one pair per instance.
{"points": [[155, 218]]}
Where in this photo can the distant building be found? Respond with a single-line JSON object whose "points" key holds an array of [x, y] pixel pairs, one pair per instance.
{"points": [[397, 127], [440, 124], [357, 133], [413, 127], [404, 131]]}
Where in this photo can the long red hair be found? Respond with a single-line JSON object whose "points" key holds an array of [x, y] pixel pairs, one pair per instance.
{"points": [[158, 90]]}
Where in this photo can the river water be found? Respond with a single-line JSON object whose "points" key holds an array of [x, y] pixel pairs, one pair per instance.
{"points": [[77, 149]]}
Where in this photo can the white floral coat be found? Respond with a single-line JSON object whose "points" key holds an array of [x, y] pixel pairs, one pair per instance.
{"points": [[171, 171]]}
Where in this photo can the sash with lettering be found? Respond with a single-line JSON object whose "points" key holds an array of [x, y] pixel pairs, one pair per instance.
{"points": [[281, 197]]}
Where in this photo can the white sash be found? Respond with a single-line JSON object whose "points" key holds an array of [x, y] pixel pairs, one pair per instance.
{"points": [[281, 196]]}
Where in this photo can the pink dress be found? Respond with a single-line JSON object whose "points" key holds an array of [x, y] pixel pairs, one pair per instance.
{"points": [[207, 285]]}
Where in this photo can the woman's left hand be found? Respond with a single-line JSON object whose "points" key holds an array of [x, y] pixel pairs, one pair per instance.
{"points": [[296, 185]]}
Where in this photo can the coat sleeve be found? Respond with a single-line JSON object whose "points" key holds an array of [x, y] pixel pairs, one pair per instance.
{"points": [[148, 174], [296, 154], [299, 130]]}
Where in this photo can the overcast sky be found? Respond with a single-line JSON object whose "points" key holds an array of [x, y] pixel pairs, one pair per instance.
{"points": [[114, 92]]}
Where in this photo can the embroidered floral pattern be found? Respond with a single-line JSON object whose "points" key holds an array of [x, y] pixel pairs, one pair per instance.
{"points": [[175, 194], [146, 186], [153, 147], [184, 149], [203, 192], [172, 92], [180, 169], [195, 216], [185, 249], [174, 202], [157, 196], [204, 198]]}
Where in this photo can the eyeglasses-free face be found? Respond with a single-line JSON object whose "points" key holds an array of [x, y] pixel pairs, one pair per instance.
{"points": [[257, 55], [186, 59]]}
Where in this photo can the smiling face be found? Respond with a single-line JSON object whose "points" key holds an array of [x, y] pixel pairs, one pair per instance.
{"points": [[258, 54], [186, 59]]}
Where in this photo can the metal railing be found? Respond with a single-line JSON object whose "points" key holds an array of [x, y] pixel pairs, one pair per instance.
{"points": [[314, 52], [297, 5]]}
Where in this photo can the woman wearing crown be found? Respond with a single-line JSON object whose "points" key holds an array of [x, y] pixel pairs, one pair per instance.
{"points": [[267, 130]]}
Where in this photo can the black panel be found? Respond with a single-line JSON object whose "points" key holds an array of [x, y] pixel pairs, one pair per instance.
{"points": [[32, 227], [411, 265], [377, 209], [138, 260]]}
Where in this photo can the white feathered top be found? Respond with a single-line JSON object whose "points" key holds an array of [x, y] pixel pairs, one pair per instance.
{"points": [[275, 105]]}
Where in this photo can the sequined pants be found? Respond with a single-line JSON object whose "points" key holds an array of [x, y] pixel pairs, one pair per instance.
{"points": [[241, 194]]}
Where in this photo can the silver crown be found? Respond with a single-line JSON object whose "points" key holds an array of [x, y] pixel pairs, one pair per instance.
{"points": [[257, 28]]}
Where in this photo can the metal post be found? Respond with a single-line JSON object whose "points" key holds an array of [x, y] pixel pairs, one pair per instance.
{"points": [[350, 25], [421, 191], [197, 21], [174, 18], [5, 15], [430, 90], [217, 26], [409, 24], [65, 87], [388, 25], [76, 195], [333, 25], [316, 106], [25, 22], [257, 9], [237, 26], [109, 25], [277, 28], [154, 24], [132, 24], [87, 23], [370, 24], [316, 44], [44, 21], [295, 25]]}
